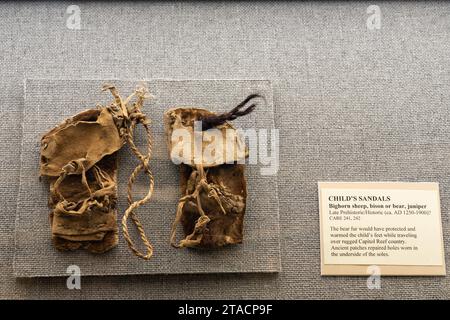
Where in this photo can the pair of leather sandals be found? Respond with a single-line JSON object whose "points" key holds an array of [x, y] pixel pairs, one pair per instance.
{"points": [[79, 158]]}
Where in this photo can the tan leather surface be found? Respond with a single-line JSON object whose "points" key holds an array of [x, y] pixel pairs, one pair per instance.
{"points": [[212, 207], [223, 228], [83, 214]]}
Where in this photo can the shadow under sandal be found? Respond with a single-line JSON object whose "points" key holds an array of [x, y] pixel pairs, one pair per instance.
{"points": [[213, 186], [79, 158]]}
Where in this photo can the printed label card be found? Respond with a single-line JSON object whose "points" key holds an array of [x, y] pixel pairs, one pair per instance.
{"points": [[392, 227]]}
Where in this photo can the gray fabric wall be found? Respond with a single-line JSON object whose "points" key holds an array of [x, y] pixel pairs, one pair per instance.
{"points": [[351, 104]]}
